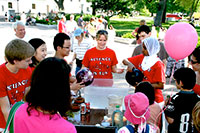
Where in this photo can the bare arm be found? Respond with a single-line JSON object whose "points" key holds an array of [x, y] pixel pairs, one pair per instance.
{"points": [[129, 64], [27, 89], [73, 58], [158, 85], [5, 106], [116, 70], [169, 120]]}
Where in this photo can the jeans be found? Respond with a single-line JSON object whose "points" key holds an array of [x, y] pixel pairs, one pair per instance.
{"points": [[77, 69]]}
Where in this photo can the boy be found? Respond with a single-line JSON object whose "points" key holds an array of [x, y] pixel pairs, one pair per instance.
{"points": [[62, 46], [15, 76], [179, 108]]}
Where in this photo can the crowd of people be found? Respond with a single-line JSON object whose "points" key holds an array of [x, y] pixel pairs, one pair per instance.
{"points": [[46, 85]]}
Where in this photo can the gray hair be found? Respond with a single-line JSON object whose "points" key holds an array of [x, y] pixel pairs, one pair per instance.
{"points": [[18, 23]]}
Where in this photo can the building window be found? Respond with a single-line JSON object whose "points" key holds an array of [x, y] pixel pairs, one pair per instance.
{"points": [[88, 9], [2, 8], [9, 4], [33, 6]]}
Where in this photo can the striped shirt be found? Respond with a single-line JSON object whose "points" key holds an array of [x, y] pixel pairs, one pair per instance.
{"points": [[80, 50]]}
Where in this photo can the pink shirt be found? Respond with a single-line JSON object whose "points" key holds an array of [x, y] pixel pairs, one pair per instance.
{"points": [[38, 122]]}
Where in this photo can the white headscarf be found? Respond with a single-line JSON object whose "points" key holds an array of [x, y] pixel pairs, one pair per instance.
{"points": [[153, 47]]}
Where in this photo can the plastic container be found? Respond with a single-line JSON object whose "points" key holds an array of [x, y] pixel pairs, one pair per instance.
{"points": [[113, 101], [117, 118]]}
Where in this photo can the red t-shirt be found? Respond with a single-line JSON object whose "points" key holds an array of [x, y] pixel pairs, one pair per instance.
{"points": [[13, 86], [62, 27], [100, 62], [196, 89], [154, 74]]}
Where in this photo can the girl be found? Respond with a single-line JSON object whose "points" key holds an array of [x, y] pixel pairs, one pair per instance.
{"points": [[151, 66], [40, 51]]}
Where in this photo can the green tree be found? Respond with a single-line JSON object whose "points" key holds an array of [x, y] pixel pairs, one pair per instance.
{"points": [[111, 7], [60, 4], [189, 5], [152, 6]]}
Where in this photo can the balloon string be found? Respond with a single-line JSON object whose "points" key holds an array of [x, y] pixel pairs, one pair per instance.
{"points": [[155, 125], [172, 74]]}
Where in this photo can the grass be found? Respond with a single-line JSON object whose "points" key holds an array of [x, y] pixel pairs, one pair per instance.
{"points": [[122, 27]]}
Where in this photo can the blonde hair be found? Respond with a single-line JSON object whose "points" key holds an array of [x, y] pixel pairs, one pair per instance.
{"points": [[18, 50], [196, 116], [102, 32]]}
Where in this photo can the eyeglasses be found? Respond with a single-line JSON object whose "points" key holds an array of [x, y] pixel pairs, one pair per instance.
{"points": [[102, 32], [142, 36], [66, 47], [193, 62]]}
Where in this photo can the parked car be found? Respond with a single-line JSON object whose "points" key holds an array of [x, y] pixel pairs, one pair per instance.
{"points": [[173, 17]]}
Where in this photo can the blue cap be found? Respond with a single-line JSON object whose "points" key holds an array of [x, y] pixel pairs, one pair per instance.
{"points": [[78, 32]]}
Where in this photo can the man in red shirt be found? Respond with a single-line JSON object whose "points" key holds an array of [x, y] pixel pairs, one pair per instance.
{"points": [[15, 76]]}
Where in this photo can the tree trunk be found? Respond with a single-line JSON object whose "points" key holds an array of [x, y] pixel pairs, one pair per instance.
{"points": [[164, 14], [94, 8], [159, 15], [60, 4], [193, 8]]}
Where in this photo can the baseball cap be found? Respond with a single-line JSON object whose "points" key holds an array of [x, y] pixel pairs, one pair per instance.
{"points": [[137, 108], [78, 32]]}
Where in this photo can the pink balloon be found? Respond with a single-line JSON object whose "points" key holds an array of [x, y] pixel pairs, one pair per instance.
{"points": [[180, 40]]}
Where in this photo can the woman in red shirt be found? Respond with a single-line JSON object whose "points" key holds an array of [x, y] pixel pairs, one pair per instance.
{"points": [[150, 65], [101, 60]]}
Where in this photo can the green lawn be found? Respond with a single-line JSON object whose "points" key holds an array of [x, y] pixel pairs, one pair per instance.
{"points": [[122, 27]]}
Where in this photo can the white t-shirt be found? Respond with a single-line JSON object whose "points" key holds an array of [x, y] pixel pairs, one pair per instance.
{"points": [[71, 26], [80, 50]]}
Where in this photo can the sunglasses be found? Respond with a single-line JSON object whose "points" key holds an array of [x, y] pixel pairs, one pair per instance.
{"points": [[193, 62], [102, 32]]}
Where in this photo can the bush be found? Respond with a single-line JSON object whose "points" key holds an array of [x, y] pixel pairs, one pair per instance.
{"points": [[198, 43], [128, 35], [43, 21], [87, 17]]}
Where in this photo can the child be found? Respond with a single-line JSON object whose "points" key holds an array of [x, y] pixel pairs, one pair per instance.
{"points": [[151, 66], [155, 110], [15, 76], [179, 109], [137, 112]]}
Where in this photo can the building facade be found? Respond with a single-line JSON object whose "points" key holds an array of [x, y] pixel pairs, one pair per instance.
{"points": [[43, 6]]}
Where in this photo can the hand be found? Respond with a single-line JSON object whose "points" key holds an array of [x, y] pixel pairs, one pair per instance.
{"points": [[167, 100], [120, 71], [71, 63], [76, 86], [130, 67]]}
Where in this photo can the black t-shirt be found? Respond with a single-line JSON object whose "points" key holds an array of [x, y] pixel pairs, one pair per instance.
{"points": [[180, 109]]}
